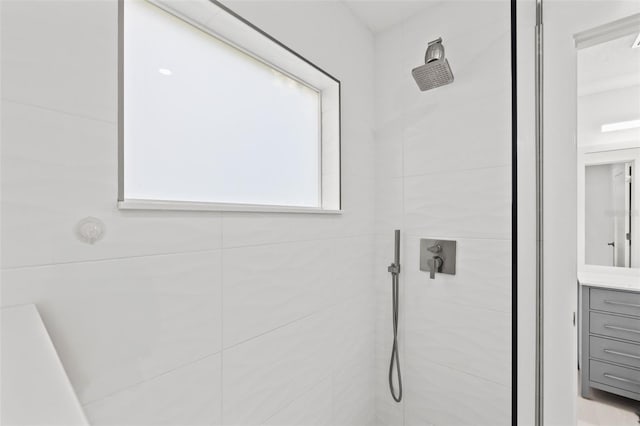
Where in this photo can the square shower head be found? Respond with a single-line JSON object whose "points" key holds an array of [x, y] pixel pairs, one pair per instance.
{"points": [[433, 74]]}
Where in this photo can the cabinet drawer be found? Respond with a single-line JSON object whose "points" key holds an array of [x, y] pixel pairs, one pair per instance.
{"points": [[613, 375], [614, 351], [620, 302], [614, 326]]}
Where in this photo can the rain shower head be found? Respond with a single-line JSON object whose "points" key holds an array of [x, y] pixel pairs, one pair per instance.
{"points": [[436, 71]]}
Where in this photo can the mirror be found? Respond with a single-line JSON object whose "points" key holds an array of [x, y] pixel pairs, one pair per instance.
{"points": [[608, 200], [608, 139]]}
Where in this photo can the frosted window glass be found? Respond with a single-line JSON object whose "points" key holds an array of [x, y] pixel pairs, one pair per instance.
{"points": [[206, 122]]}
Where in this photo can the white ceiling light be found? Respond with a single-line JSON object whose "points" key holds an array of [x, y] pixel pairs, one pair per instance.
{"points": [[164, 71], [621, 125], [636, 43]]}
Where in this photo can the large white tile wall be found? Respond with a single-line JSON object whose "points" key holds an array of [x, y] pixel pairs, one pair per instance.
{"points": [[184, 318], [443, 171]]}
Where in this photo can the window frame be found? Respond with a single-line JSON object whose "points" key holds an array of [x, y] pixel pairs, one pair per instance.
{"points": [[324, 207]]}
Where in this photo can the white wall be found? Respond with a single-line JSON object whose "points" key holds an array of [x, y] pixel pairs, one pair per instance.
{"points": [[183, 318], [443, 170]]}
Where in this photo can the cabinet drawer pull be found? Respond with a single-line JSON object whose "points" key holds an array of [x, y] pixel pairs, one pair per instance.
{"points": [[621, 379], [615, 327], [612, 352], [631, 305]]}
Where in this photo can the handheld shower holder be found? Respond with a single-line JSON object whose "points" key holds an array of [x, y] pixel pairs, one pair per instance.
{"points": [[394, 268]]}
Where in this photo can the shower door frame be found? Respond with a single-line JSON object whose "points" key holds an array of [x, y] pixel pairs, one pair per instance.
{"points": [[550, 85], [527, 222]]}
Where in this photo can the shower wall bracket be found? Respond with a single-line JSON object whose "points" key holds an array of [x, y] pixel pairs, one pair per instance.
{"points": [[437, 256]]}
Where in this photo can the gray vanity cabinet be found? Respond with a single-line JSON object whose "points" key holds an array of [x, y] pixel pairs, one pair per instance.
{"points": [[610, 333]]}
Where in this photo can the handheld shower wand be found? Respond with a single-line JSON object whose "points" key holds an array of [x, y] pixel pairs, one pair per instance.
{"points": [[394, 269]]}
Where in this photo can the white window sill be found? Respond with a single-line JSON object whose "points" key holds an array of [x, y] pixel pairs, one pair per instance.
{"points": [[218, 207]]}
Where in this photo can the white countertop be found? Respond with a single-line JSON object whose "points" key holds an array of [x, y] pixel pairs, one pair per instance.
{"points": [[630, 280]]}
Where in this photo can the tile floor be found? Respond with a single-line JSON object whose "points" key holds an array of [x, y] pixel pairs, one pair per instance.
{"points": [[606, 409]]}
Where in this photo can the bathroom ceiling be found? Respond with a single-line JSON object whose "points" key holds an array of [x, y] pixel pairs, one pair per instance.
{"points": [[608, 66], [608, 91], [379, 15]]}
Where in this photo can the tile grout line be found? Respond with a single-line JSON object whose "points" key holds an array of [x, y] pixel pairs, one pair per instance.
{"points": [[151, 379], [109, 259], [411, 233], [221, 352], [264, 333], [468, 373], [456, 171], [469, 305], [60, 111], [121, 258], [403, 223], [302, 318], [310, 240]]}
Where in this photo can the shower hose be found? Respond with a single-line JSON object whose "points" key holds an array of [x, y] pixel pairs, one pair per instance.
{"points": [[395, 360]]}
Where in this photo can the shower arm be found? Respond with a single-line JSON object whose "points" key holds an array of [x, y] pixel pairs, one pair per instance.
{"points": [[434, 52]]}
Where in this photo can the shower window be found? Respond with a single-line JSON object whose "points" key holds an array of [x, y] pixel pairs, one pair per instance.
{"points": [[217, 115]]}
